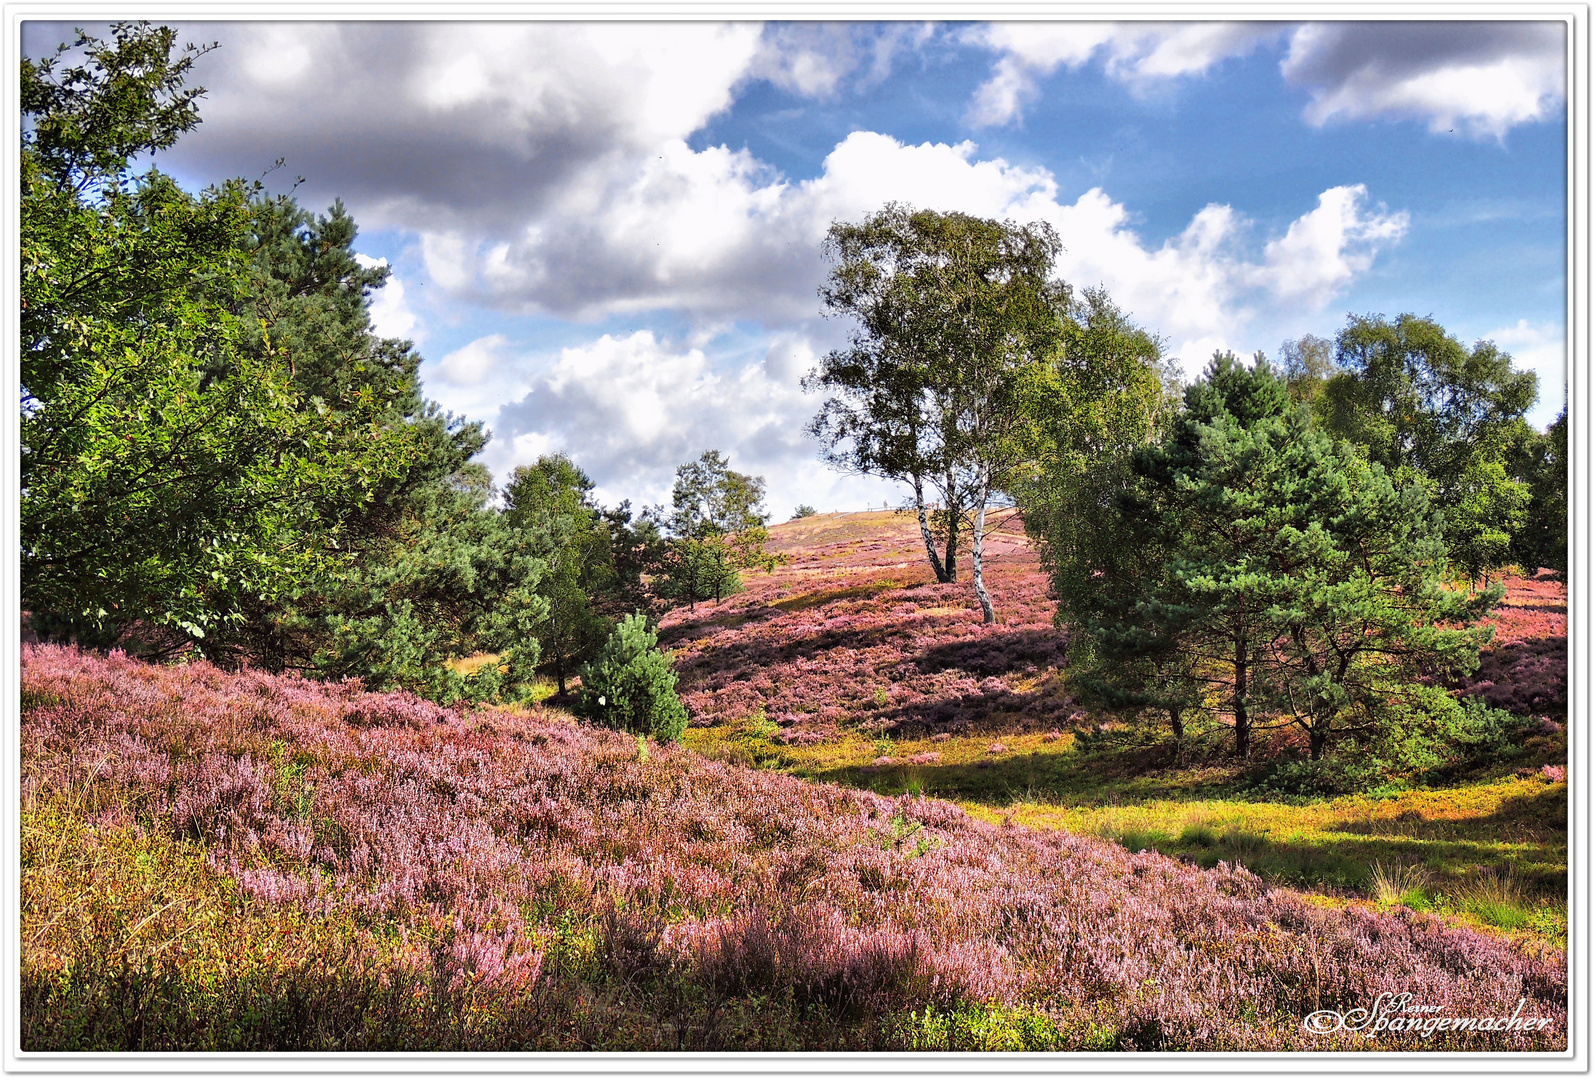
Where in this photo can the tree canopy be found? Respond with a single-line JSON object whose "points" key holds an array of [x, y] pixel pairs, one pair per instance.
{"points": [[171, 472], [717, 529], [1421, 405], [955, 318]]}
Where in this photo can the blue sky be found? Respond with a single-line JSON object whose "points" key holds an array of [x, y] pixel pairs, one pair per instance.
{"points": [[606, 238]]}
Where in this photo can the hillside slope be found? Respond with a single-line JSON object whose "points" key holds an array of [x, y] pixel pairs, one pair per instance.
{"points": [[222, 862], [855, 630]]}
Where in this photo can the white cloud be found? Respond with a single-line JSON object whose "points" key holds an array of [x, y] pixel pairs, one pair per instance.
{"points": [[1138, 54], [817, 60], [391, 316], [631, 408], [715, 235], [1475, 77], [478, 377], [471, 364], [1326, 248], [1541, 348], [547, 169], [458, 125]]}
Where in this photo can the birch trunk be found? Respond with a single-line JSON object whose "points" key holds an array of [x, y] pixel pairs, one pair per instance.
{"points": [[925, 532], [976, 540]]}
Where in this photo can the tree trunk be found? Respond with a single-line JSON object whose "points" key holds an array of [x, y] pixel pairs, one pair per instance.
{"points": [[925, 532], [987, 616], [1175, 724], [559, 670], [952, 559], [1243, 722], [1317, 737]]}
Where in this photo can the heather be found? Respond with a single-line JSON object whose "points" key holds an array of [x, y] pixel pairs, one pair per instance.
{"points": [[856, 632], [1525, 667], [246, 861], [920, 698]]}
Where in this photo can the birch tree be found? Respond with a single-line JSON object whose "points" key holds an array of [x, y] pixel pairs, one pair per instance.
{"points": [[957, 319]]}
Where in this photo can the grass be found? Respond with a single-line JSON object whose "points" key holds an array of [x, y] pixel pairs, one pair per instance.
{"points": [[542, 690]]}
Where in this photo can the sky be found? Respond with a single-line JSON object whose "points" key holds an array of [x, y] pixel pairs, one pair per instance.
{"points": [[605, 239]]}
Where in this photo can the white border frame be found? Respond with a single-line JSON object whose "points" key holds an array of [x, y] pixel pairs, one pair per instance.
{"points": [[1576, 1060]]}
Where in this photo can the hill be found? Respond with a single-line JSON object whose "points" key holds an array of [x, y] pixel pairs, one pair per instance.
{"points": [[850, 664], [238, 861]]}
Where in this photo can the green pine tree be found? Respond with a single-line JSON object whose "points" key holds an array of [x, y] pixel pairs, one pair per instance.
{"points": [[1259, 565]]}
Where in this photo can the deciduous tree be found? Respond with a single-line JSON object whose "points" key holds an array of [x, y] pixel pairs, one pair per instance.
{"points": [[717, 528], [956, 317], [1421, 405]]}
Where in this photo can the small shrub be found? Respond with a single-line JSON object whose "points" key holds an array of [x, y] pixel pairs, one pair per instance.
{"points": [[1330, 776], [804, 510], [631, 686]]}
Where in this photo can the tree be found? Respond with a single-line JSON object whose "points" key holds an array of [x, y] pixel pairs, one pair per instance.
{"points": [[883, 418], [956, 317], [169, 473], [1112, 391], [1257, 554], [717, 528], [1422, 406], [552, 501], [215, 441], [1542, 466], [451, 579], [631, 686], [308, 309], [1307, 364]]}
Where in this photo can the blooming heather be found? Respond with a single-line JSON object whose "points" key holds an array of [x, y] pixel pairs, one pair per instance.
{"points": [[1525, 667], [857, 629], [496, 858]]}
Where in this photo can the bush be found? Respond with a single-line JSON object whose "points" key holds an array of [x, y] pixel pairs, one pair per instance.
{"points": [[631, 686], [804, 510], [1484, 735], [1330, 776]]}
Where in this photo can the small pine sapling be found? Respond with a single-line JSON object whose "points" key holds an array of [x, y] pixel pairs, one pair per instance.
{"points": [[631, 686]]}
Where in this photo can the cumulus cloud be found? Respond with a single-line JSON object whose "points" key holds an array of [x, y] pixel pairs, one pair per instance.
{"points": [[631, 408], [1541, 348], [818, 60], [1480, 78], [1138, 54], [1327, 247], [714, 234], [1201, 288], [467, 126], [391, 315]]}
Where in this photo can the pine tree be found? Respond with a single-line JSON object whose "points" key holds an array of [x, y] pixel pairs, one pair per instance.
{"points": [[631, 687], [1260, 557]]}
